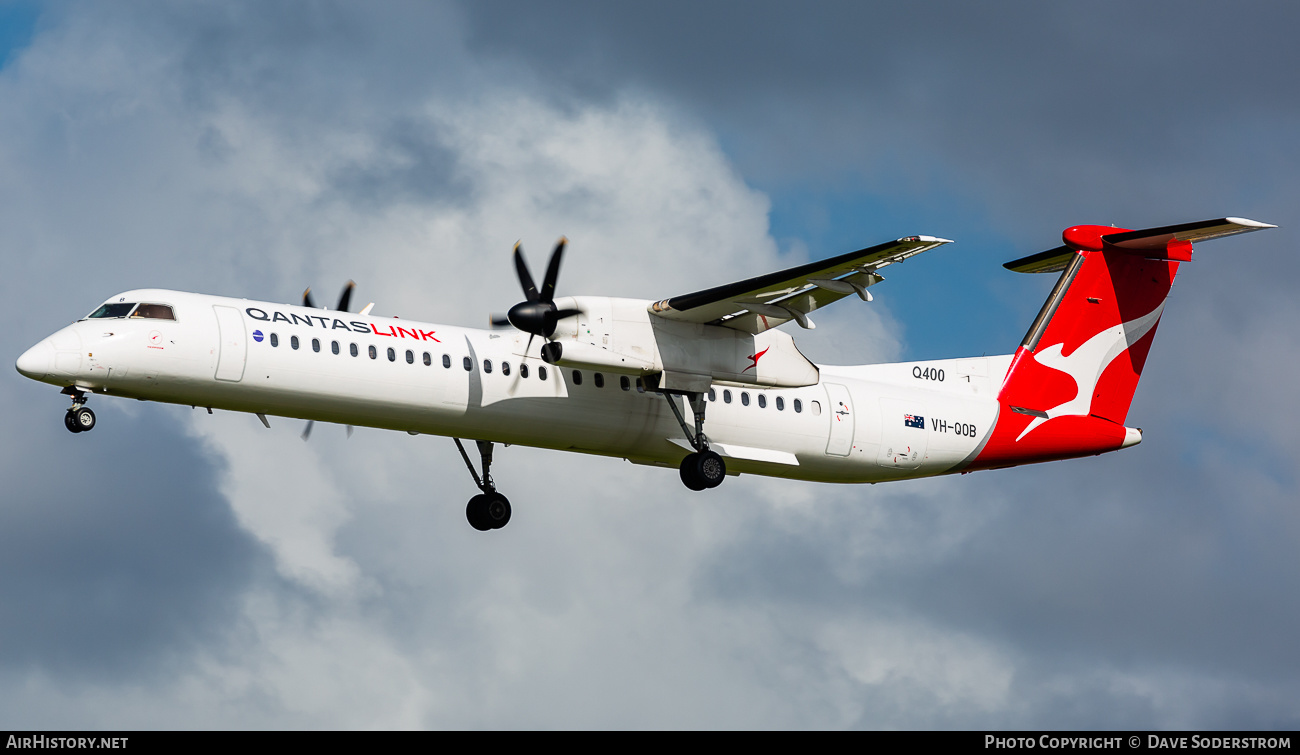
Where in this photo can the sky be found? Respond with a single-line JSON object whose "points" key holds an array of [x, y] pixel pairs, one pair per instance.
{"points": [[175, 569]]}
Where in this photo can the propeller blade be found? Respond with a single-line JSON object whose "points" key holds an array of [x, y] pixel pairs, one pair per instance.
{"points": [[525, 278], [499, 321], [306, 299], [553, 271], [560, 314], [514, 384], [306, 431], [346, 297]]}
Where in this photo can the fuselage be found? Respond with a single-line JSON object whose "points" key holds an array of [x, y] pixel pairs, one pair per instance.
{"points": [[864, 423]]}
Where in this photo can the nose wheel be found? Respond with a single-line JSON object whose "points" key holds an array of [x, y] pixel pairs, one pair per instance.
{"points": [[79, 418]]}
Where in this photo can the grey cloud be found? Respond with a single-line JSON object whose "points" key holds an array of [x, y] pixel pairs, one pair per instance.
{"points": [[417, 168], [119, 558], [1100, 107]]}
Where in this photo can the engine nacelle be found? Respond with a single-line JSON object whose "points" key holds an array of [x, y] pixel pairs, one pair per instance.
{"points": [[621, 336], [585, 356]]}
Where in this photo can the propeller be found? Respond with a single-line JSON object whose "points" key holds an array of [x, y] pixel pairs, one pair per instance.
{"points": [[345, 298], [537, 315]]}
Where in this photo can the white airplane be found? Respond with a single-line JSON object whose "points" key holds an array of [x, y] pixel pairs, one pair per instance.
{"points": [[633, 379]]}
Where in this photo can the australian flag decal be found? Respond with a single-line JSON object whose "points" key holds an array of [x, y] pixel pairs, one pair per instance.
{"points": [[914, 420]]}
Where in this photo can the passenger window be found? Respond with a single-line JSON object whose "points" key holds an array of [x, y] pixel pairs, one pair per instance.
{"points": [[154, 312], [352, 349], [293, 342], [275, 340], [469, 366], [446, 361], [780, 404], [374, 353], [111, 311], [428, 360], [577, 377], [798, 406], [505, 368], [392, 355], [541, 373], [315, 345], [487, 366], [523, 371], [410, 357], [744, 398], [599, 379], [762, 401], [334, 346], [713, 395], [816, 407], [624, 383], [726, 397]]}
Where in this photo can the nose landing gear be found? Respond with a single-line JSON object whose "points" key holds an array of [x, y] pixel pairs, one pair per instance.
{"points": [[489, 510], [78, 419]]}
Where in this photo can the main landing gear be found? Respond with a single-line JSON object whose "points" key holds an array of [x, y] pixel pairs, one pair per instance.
{"points": [[79, 419], [704, 468], [489, 510]]}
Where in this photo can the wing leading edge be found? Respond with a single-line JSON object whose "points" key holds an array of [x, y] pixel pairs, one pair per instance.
{"points": [[762, 303]]}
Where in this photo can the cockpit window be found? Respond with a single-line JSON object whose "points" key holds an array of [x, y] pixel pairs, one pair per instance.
{"points": [[120, 309], [154, 312]]}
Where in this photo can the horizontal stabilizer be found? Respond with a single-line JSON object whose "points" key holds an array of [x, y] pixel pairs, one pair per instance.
{"points": [[1050, 261], [1165, 242], [1154, 239]]}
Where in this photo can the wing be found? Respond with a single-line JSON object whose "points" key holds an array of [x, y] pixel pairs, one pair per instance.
{"points": [[761, 303]]}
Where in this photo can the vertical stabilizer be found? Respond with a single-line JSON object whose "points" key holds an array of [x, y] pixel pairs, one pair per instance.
{"points": [[1070, 384]]}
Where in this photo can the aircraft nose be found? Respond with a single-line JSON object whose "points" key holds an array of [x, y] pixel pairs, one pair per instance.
{"points": [[35, 362]]}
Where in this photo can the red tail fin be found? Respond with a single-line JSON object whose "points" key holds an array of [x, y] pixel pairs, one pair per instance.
{"points": [[1070, 384]]}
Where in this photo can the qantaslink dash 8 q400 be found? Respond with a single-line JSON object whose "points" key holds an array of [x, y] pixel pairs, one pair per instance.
{"points": [[706, 382]]}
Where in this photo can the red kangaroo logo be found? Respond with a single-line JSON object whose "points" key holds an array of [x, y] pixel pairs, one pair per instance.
{"points": [[755, 358]]}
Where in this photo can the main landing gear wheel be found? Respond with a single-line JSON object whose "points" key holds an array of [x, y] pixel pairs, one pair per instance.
{"points": [[703, 470], [488, 511], [79, 420]]}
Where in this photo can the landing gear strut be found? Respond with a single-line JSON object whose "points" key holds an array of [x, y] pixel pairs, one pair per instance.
{"points": [[704, 468], [79, 419], [489, 510]]}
